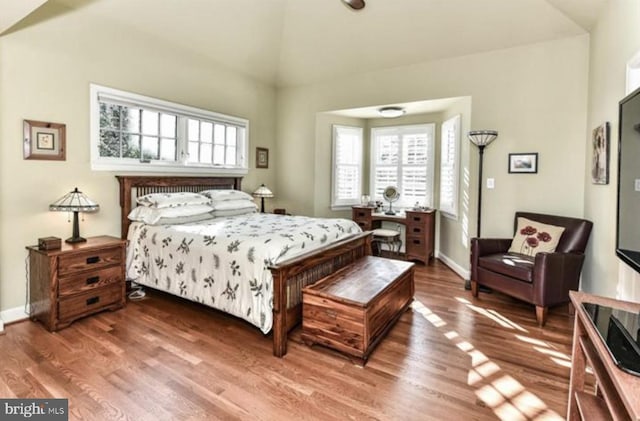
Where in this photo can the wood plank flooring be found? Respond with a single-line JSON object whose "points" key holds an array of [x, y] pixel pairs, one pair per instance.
{"points": [[449, 357]]}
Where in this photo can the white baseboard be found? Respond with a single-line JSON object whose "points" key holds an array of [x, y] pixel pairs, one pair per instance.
{"points": [[462, 272], [1, 327], [11, 315]]}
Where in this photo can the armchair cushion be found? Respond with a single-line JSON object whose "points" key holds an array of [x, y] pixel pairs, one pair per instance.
{"points": [[532, 237], [517, 266]]}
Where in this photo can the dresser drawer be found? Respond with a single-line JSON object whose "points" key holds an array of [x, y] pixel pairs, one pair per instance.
{"points": [[89, 260], [76, 283], [415, 245], [90, 301]]}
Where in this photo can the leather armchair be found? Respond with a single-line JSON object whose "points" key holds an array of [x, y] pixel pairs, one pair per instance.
{"points": [[543, 280]]}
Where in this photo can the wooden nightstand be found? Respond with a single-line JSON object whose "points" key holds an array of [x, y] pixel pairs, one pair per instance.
{"points": [[76, 280]]}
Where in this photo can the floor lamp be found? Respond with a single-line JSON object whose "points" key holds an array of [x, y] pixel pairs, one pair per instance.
{"points": [[480, 138]]}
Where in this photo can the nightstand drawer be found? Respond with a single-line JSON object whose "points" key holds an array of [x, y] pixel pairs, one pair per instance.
{"points": [[90, 301], [86, 281], [88, 260]]}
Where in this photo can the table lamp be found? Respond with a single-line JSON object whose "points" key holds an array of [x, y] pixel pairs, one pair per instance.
{"points": [[75, 202], [262, 192]]}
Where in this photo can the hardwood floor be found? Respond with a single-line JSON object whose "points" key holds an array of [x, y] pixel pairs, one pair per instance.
{"points": [[449, 357]]}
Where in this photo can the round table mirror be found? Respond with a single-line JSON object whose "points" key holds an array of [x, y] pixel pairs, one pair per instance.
{"points": [[391, 194]]}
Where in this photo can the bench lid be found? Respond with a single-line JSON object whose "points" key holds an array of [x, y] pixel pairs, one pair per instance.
{"points": [[362, 281]]}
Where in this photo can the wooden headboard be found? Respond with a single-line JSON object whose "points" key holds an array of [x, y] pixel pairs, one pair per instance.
{"points": [[131, 187]]}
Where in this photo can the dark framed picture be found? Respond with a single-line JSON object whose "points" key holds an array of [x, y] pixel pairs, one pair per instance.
{"points": [[600, 152], [44, 140], [262, 158], [523, 163]]}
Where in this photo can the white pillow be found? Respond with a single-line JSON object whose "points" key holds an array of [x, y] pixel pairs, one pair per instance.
{"points": [[151, 215], [223, 195], [234, 204], [234, 212], [170, 200], [179, 220]]}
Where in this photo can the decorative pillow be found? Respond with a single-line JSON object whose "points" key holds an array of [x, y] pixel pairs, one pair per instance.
{"points": [[534, 237], [150, 215], [233, 212], [233, 204], [170, 200], [224, 195]]}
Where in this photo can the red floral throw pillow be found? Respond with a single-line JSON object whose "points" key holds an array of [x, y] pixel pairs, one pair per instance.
{"points": [[534, 237]]}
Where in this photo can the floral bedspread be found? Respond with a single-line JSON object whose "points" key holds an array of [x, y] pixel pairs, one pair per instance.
{"points": [[223, 262]]}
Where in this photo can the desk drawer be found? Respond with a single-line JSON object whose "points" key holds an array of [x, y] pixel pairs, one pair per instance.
{"points": [[416, 219], [89, 260]]}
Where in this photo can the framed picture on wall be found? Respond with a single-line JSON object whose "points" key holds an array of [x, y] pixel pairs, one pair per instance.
{"points": [[523, 163], [262, 158], [42, 140], [600, 154]]}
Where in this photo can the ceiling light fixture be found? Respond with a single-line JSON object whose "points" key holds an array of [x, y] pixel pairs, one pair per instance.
{"points": [[391, 112], [354, 4]]}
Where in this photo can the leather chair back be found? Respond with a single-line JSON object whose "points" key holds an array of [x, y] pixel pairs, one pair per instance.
{"points": [[576, 231]]}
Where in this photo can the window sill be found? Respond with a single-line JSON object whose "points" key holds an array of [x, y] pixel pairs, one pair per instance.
{"points": [[166, 168]]}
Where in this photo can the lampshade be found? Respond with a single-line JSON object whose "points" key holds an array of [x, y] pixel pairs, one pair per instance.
{"points": [[75, 202], [263, 191], [482, 137], [391, 112]]}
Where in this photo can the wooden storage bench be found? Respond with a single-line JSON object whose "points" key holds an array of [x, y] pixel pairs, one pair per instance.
{"points": [[353, 309]]}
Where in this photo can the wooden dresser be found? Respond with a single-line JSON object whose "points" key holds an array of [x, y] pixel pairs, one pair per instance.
{"points": [[76, 280], [618, 396], [420, 229]]}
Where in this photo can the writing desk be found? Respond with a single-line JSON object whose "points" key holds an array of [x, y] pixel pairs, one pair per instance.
{"points": [[420, 229]]}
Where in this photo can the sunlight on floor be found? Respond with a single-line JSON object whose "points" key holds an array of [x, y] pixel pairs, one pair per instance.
{"points": [[508, 399]]}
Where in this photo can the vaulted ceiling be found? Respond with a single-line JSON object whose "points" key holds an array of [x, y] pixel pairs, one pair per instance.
{"points": [[291, 42]]}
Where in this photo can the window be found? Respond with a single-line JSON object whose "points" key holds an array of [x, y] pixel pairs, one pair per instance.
{"points": [[347, 166], [449, 166], [402, 156], [137, 133]]}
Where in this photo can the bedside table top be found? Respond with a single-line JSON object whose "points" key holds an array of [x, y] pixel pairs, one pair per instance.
{"points": [[100, 241]]}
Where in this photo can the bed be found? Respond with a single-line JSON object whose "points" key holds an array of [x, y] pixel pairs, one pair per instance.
{"points": [[274, 283]]}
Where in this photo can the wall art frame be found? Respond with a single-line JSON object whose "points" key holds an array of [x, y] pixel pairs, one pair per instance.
{"points": [[600, 154], [44, 140], [262, 157], [523, 163]]}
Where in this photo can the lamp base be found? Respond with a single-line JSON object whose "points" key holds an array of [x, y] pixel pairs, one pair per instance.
{"points": [[73, 240]]}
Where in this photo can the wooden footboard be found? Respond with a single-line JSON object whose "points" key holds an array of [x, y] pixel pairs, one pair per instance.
{"points": [[291, 276]]}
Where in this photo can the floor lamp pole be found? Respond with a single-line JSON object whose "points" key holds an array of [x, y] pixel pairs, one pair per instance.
{"points": [[480, 138], [481, 151]]}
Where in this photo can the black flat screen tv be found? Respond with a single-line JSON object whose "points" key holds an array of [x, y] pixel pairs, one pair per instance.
{"points": [[628, 218]]}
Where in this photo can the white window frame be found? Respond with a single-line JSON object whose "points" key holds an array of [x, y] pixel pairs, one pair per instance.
{"points": [[181, 164], [341, 204], [450, 166], [402, 130]]}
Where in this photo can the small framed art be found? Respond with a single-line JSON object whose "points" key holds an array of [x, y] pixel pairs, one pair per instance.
{"points": [[42, 140], [600, 159], [262, 158], [523, 163]]}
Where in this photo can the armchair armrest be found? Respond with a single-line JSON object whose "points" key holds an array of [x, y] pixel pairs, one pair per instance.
{"points": [[554, 275], [484, 246]]}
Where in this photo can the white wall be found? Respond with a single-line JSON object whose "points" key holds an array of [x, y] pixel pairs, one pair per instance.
{"points": [[614, 41], [535, 96], [46, 65]]}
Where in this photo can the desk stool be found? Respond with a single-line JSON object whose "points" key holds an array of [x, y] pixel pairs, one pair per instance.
{"points": [[388, 237]]}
